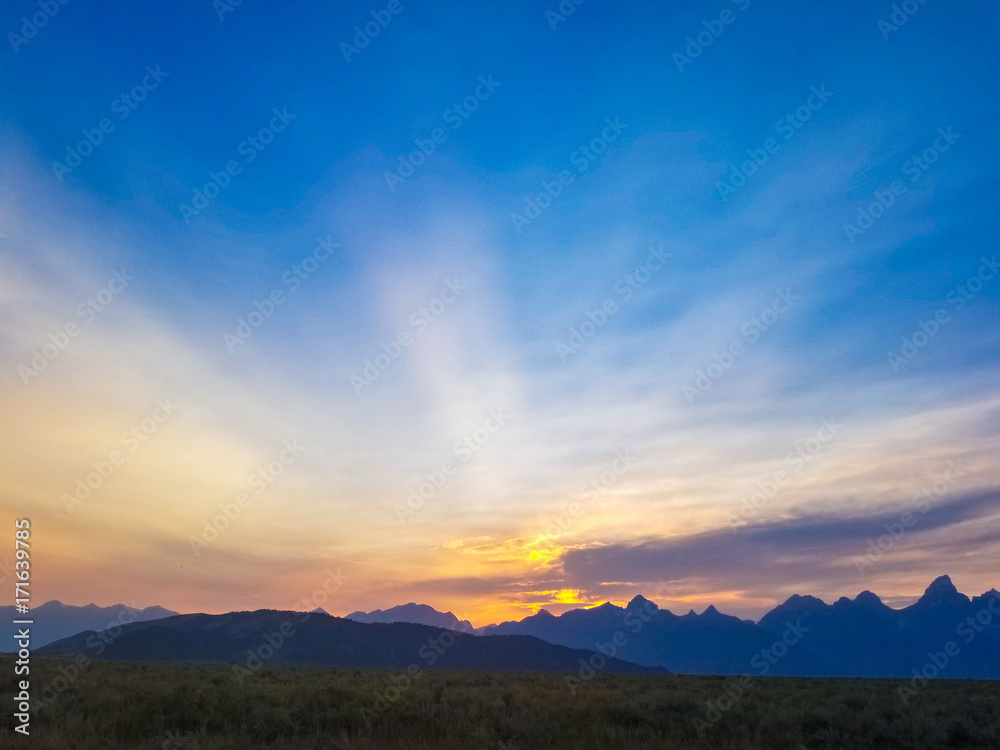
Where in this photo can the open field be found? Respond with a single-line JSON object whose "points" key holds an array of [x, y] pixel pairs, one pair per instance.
{"points": [[173, 707]]}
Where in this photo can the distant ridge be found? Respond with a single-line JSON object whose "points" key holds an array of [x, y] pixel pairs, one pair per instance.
{"points": [[419, 614], [860, 637], [54, 620], [249, 639]]}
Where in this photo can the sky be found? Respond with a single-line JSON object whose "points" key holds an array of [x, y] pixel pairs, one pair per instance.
{"points": [[497, 307]]}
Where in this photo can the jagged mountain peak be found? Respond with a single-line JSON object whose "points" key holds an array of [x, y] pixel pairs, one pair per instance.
{"points": [[940, 592], [802, 603], [868, 599], [639, 601], [420, 614], [797, 605], [805, 600], [943, 584], [859, 636]]}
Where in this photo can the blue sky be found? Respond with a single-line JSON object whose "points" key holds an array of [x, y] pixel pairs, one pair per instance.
{"points": [[888, 95]]}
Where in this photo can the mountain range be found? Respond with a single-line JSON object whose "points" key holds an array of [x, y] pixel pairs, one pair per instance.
{"points": [[55, 620], [957, 635], [420, 614], [804, 636], [250, 639]]}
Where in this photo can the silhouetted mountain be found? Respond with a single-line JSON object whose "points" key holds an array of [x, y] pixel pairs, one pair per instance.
{"points": [[419, 614], [941, 595], [709, 643], [54, 620], [323, 640], [866, 638], [802, 636]]}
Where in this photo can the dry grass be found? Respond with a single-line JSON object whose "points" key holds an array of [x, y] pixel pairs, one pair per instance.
{"points": [[175, 707]]}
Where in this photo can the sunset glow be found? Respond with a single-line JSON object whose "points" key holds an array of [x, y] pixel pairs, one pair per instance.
{"points": [[456, 395]]}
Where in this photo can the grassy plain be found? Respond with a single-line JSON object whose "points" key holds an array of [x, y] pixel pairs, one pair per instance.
{"points": [[186, 707]]}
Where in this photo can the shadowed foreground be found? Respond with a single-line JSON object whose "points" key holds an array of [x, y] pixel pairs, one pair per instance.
{"points": [[172, 707]]}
